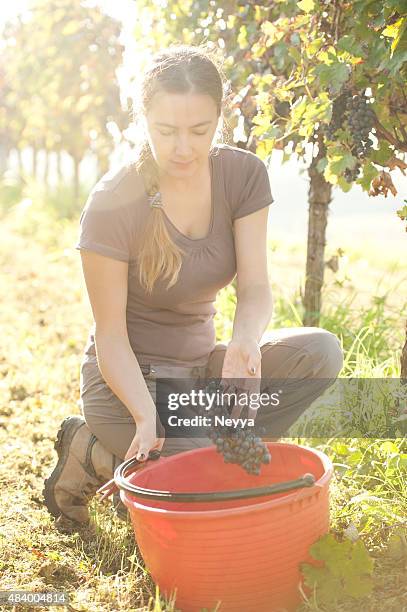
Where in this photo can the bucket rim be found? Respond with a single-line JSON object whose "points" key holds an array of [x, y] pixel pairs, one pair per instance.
{"points": [[288, 499]]}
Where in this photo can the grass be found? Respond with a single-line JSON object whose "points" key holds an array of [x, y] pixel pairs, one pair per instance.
{"points": [[45, 321]]}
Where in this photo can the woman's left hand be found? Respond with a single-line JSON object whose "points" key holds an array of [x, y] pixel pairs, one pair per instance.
{"points": [[243, 362]]}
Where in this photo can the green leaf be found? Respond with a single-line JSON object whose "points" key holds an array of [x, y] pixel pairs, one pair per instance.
{"points": [[334, 74], [402, 212], [362, 563], [393, 29], [322, 549], [355, 457], [295, 39], [321, 579], [396, 5], [54, 555], [314, 46], [389, 447], [319, 109], [350, 45], [369, 172], [262, 99], [263, 126], [280, 52], [397, 544], [346, 573], [358, 586], [265, 148], [272, 33], [71, 28], [322, 164], [399, 36], [242, 37], [383, 153], [295, 54], [399, 57], [306, 5], [298, 110], [339, 162]]}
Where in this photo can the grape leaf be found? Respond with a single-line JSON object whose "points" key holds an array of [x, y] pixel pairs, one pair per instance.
{"points": [[334, 74], [382, 154], [349, 44], [346, 573], [397, 544], [359, 586], [369, 172], [306, 5]]}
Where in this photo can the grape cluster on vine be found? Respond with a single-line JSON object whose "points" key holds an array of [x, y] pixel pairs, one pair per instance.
{"points": [[237, 444], [360, 121], [339, 107], [354, 113]]}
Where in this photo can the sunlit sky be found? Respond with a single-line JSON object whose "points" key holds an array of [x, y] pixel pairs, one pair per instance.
{"points": [[8, 10]]}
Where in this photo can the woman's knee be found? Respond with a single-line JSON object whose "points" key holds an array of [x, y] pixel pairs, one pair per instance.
{"points": [[326, 352], [302, 352], [116, 436]]}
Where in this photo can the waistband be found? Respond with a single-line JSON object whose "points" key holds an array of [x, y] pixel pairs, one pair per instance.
{"points": [[161, 370]]}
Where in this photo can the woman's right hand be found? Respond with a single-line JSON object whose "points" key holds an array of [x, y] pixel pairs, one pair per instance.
{"points": [[146, 438]]}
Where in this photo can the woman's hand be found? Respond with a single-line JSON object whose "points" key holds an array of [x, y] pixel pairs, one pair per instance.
{"points": [[243, 361], [146, 438]]}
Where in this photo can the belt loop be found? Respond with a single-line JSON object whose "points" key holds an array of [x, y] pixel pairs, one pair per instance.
{"points": [[198, 372], [146, 369]]}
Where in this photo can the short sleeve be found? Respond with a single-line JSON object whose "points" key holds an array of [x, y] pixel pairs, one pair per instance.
{"points": [[106, 226], [252, 189]]}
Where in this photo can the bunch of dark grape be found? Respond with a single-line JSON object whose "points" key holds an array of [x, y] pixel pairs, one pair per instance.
{"points": [[237, 445], [360, 120], [339, 107], [353, 112], [352, 174]]}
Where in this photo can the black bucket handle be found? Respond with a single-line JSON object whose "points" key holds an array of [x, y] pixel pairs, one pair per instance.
{"points": [[307, 480]]}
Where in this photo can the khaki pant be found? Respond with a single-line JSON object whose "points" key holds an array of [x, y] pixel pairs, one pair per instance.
{"points": [[297, 352]]}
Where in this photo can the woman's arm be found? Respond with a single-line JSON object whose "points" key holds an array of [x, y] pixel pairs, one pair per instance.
{"points": [[106, 283], [121, 371], [253, 312], [254, 298]]}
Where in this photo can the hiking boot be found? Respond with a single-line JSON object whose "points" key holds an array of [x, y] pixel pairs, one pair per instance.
{"points": [[83, 466]]}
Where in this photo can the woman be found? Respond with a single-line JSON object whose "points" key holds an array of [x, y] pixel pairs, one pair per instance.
{"points": [[193, 214]]}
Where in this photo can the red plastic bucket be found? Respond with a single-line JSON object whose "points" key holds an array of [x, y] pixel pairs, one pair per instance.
{"points": [[244, 553]]}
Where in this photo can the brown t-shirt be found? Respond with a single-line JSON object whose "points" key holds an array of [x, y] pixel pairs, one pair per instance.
{"points": [[174, 325]]}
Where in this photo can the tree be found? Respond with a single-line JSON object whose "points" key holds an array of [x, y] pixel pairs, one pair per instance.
{"points": [[60, 87]]}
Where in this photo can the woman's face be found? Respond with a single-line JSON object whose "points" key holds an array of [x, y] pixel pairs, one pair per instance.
{"points": [[180, 128]]}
